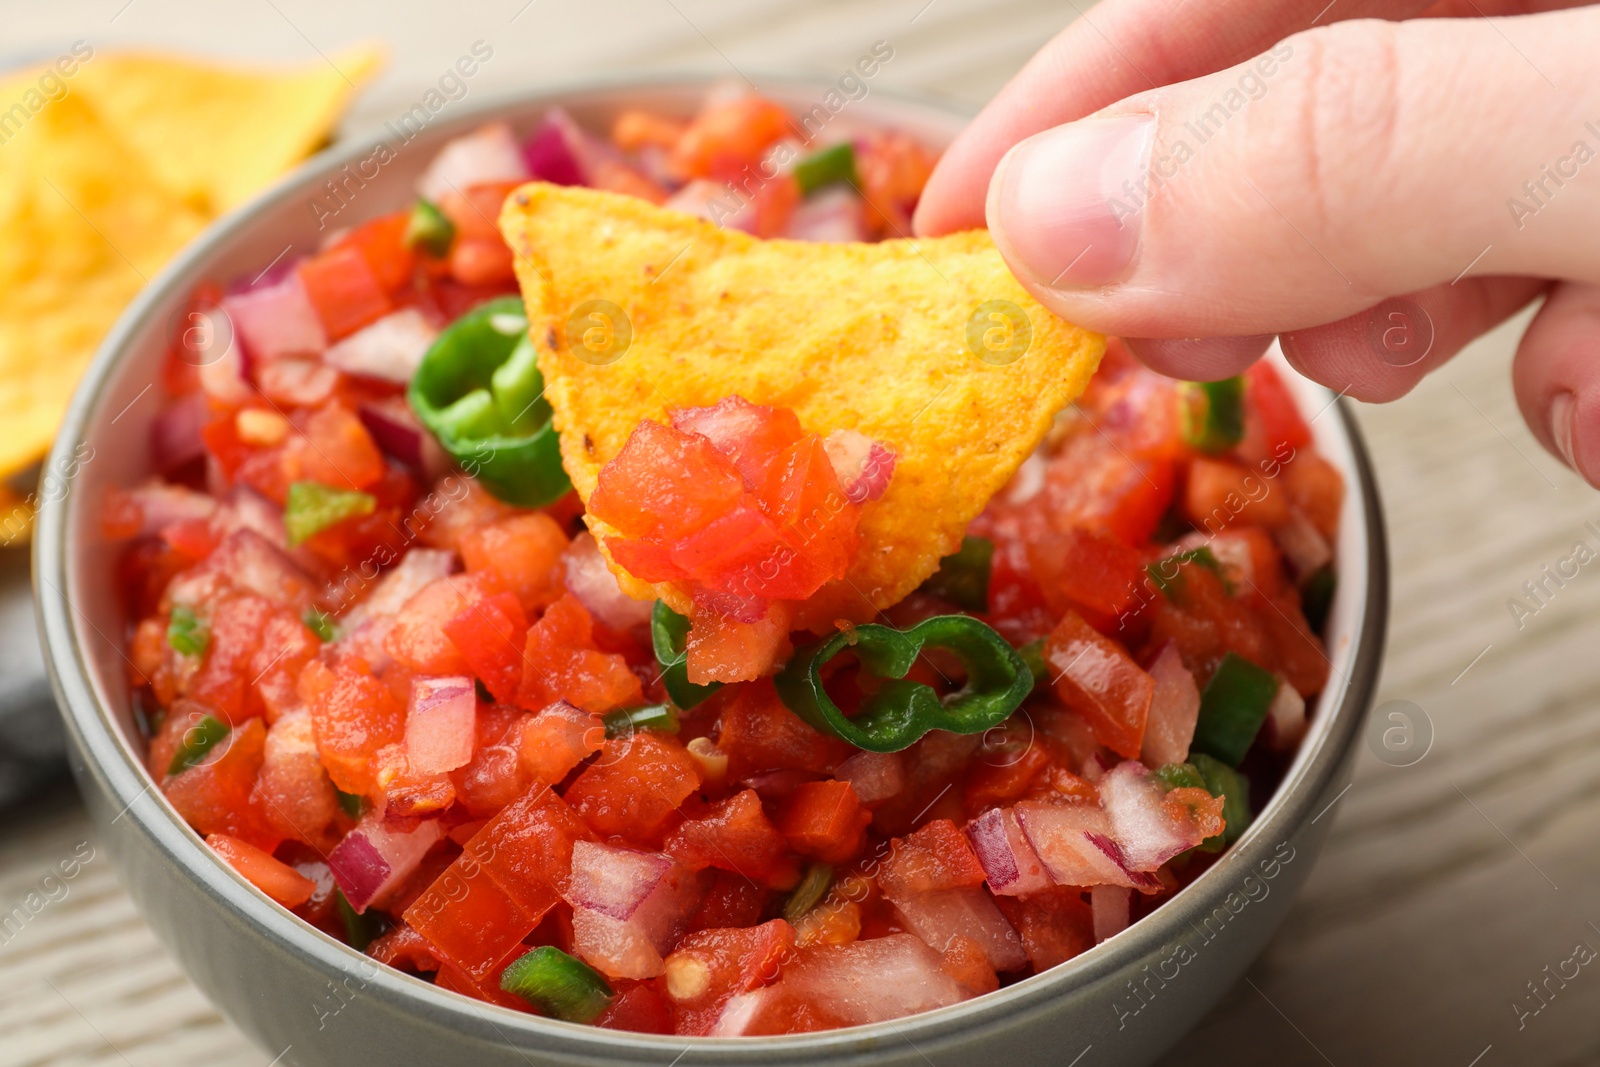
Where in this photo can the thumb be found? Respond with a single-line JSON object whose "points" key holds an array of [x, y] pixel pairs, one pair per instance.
{"points": [[1344, 166]]}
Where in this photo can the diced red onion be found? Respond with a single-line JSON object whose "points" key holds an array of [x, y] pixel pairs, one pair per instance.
{"points": [[394, 428], [1010, 864], [276, 320], [614, 947], [875, 776], [245, 509], [1110, 904], [161, 504], [248, 562], [1073, 841], [630, 947], [614, 881], [389, 349], [440, 724], [555, 152], [1174, 709], [590, 580], [864, 466], [175, 434], [833, 214], [1029, 479], [374, 858], [1287, 713], [1303, 544], [405, 580], [487, 154], [222, 376], [1144, 829], [655, 163], [938, 917], [775, 785]]}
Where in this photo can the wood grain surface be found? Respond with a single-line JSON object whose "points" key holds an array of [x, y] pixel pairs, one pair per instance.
{"points": [[1447, 886]]}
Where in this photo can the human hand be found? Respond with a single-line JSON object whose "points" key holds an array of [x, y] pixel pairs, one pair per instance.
{"points": [[1376, 193]]}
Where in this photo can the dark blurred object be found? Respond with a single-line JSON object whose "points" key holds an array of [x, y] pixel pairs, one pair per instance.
{"points": [[32, 747]]}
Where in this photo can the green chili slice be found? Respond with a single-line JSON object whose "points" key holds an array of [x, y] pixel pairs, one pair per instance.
{"points": [[661, 718], [1213, 414], [198, 741], [312, 507], [963, 576], [478, 390], [1316, 596], [1167, 575], [429, 230], [1233, 706], [1032, 654], [187, 632], [558, 985], [321, 624], [901, 711], [359, 930], [352, 804], [1223, 781], [669, 633], [836, 163], [814, 885]]}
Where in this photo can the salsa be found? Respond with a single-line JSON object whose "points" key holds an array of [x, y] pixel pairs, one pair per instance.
{"points": [[382, 665]]}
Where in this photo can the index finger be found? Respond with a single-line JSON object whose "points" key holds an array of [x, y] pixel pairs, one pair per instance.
{"points": [[1112, 51]]}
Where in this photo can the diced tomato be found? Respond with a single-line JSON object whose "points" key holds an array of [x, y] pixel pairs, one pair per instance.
{"points": [[214, 796], [723, 649], [488, 990], [1273, 427], [759, 733], [640, 1008], [556, 740], [353, 715], [334, 449], [481, 262], [292, 787], [965, 960], [824, 820], [937, 856], [1055, 924], [489, 635], [1092, 485], [1222, 492], [893, 168], [1096, 678], [561, 662], [494, 777], [403, 948], [475, 210], [729, 135], [731, 900], [527, 848], [1198, 614], [464, 505], [634, 788], [1003, 775], [223, 682], [1084, 569], [402, 789], [709, 967], [744, 553], [1317, 489], [418, 638], [803, 495], [525, 550], [469, 920], [344, 289], [664, 484], [277, 880], [633, 129], [735, 835], [381, 243]]}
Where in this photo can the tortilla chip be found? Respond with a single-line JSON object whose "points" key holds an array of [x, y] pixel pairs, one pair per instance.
{"points": [[83, 225], [215, 135], [869, 337]]}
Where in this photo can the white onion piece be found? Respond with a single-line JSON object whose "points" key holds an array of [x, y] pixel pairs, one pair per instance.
{"points": [[1303, 544], [1110, 905], [1010, 864], [372, 860], [864, 466], [1174, 710], [416, 569], [1145, 831], [389, 349], [297, 382], [1287, 713], [833, 214], [614, 881], [709, 200], [875, 776], [276, 320], [440, 722], [1074, 842], [160, 505], [590, 580], [487, 154], [245, 509]]}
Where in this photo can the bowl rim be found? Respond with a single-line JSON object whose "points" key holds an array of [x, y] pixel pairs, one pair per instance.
{"points": [[109, 759]]}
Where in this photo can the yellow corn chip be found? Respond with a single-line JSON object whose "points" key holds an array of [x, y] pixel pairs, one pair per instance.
{"points": [[216, 135], [83, 225], [929, 346]]}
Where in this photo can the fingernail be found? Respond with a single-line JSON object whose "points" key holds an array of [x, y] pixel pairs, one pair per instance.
{"points": [[1066, 205], [1562, 419]]}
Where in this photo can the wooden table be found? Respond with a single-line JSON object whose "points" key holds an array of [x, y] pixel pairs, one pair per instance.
{"points": [[1447, 885]]}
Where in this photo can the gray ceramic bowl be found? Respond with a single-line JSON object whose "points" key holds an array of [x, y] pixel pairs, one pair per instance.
{"points": [[301, 994]]}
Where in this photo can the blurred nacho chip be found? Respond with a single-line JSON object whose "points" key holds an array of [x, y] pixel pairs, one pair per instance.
{"points": [[83, 226], [929, 346], [214, 134]]}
